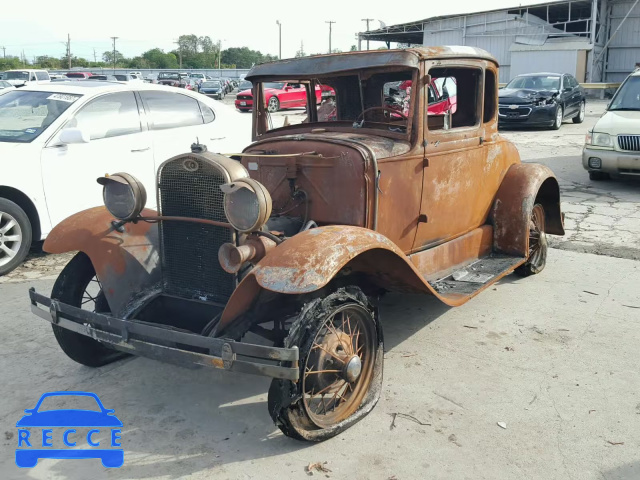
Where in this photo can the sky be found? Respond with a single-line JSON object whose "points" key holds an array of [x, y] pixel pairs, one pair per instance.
{"points": [[40, 27]]}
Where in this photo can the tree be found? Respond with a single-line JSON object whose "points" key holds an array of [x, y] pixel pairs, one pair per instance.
{"points": [[354, 48], [109, 58], [301, 53], [244, 57], [48, 62]]}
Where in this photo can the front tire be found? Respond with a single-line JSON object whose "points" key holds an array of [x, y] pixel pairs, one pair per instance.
{"points": [[341, 357], [273, 105], [579, 118], [559, 117], [78, 286], [538, 246], [15, 236]]}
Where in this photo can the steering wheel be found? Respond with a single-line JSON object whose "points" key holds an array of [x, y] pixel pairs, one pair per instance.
{"points": [[388, 109]]}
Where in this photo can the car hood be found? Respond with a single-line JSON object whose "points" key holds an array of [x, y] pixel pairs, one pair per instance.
{"points": [[69, 418], [524, 95], [209, 89], [619, 123]]}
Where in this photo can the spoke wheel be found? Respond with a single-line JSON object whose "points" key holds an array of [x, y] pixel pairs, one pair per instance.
{"points": [[340, 343], [538, 246], [338, 369], [78, 286]]}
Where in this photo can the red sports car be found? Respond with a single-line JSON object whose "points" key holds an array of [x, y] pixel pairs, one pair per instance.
{"points": [[280, 95]]}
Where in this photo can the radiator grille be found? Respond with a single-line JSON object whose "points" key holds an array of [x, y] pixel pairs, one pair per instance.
{"points": [[244, 97], [629, 142], [190, 187]]}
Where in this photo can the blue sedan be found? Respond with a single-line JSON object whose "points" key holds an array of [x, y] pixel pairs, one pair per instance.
{"points": [[213, 88]]}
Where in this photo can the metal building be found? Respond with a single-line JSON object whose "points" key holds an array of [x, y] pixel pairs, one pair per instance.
{"points": [[595, 40]]}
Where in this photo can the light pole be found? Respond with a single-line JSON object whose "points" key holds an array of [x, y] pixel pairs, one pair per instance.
{"points": [[330, 22], [114, 53], [220, 51], [279, 39]]}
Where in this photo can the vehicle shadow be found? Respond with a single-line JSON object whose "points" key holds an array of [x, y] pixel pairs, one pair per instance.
{"points": [[628, 471]]}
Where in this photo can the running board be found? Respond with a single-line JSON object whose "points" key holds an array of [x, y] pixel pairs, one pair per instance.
{"points": [[471, 279]]}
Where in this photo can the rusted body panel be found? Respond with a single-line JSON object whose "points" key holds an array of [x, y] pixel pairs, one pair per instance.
{"points": [[127, 263]]}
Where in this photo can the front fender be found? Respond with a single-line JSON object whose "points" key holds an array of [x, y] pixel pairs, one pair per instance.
{"points": [[524, 185], [127, 263], [310, 260]]}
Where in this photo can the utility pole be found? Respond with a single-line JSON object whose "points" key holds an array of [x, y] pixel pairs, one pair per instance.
{"points": [[114, 53], [95, 58], [4, 52], [220, 52], [367, 20], [279, 39], [330, 22], [69, 50]]}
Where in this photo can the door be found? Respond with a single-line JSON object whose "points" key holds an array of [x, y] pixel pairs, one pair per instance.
{"points": [[119, 143], [459, 178], [295, 95], [568, 94], [176, 121]]}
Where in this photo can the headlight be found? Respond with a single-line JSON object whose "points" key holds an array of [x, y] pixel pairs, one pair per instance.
{"points": [[247, 204], [601, 139], [124, 195]]}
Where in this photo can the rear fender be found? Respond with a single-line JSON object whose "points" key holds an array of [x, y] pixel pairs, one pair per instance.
{"points": [[524, 185], [308, 261], [127, 263]]}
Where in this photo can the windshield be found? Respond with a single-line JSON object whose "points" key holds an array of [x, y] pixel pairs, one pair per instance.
{"points": [[123, 78], [75, 75], [16, 76], [211, 84], [245, 86], [171, 76], [377, 100], [25, 115], [628, 95], [536, 82]]}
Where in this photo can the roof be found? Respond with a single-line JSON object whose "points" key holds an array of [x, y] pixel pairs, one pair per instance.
{"points": [[316, 65], [553, 44], [83, 87]]}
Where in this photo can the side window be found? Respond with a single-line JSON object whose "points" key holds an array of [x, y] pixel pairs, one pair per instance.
{"points": [[172, 110], [32, 78], [207, 113], [489, 96], [109, 116], [42, 76], [457, 91], [574, 82]]}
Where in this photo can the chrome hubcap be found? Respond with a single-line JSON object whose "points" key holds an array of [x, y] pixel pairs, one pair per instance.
{"points": [[353, 369], [559, 116], [582, 111], [10, 238]]}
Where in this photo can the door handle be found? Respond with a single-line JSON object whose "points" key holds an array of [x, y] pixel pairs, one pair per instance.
{"points": [[140, 149]]}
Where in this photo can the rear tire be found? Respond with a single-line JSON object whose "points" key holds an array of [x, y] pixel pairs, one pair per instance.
{"points": [[273, 105], [597, 176], [71, 287], [537, 258], [15, 236]]}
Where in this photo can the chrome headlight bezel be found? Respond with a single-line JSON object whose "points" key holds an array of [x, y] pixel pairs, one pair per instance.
{"points": [[600, 139], [123, 195], [247, 204]]}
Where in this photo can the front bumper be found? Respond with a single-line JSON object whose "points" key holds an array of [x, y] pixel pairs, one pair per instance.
{"points": [[169, 345], [528, 115], [617, 163], [248, 104]]}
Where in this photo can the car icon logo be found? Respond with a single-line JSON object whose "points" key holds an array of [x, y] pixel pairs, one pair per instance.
{"points": [[69, 425], [513, 107]]}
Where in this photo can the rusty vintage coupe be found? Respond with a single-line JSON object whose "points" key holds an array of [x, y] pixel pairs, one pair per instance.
{"points": [[271, 261]]}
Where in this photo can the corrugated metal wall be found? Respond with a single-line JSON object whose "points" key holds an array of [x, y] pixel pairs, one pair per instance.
{"points": [[624, 50], [563, 61]]}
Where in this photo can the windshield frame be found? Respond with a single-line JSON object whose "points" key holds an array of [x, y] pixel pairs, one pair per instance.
{"points": [[628, 80], [17, 93], [260, 120]]}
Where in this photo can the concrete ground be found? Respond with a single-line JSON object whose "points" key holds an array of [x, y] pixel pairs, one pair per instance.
{"points": [[551, 357]]}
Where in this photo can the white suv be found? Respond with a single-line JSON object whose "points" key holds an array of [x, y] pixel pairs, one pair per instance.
{"points": [[21, 78], [613, 146], [55, 140]]}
